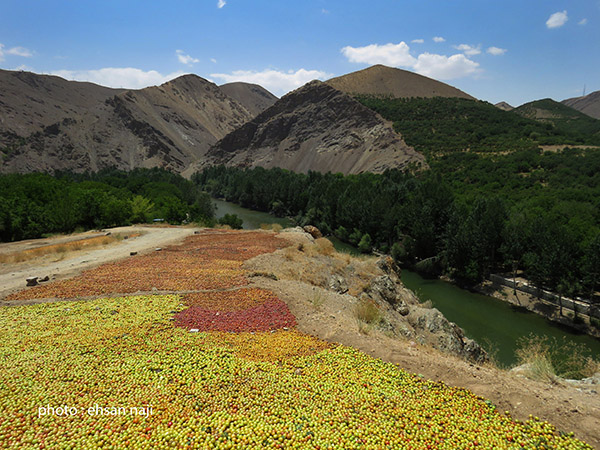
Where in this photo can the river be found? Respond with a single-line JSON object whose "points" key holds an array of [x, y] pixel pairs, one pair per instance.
{"points": [[252, 219], [495, 324]]}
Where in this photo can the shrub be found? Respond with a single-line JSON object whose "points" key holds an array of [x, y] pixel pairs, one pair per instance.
{"points": [[365, 243], [324, 246], [341, 233], [550, 358], [367, 311], [232, 220]]}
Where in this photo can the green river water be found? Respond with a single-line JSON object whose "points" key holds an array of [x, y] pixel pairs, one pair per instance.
{"points": [[495, 324]]}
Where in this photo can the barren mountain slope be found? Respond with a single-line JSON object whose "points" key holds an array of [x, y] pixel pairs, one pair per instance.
{"points": [[253, 97], [317, 128], [57, 124], [388, 81], [29, 101], [589, 104], [504, 106]]}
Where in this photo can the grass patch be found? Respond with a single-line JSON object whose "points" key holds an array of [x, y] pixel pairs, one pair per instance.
{"points": [[317, 300], [550, 359], [368, 312], [271, 226], [323, 246]]}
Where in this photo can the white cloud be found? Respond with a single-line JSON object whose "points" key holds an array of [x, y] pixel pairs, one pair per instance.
{"points": [[398, 55], [469, 50], [278, 82], [388, 54], [417, 41], [24, 68], [221, 3], [583, 21], [185, 59], [439, 39], [496, 51], [324, 11], [118, 77], [213, 60], [19, 51], [558, 19], [444, 67], [15, 51]]}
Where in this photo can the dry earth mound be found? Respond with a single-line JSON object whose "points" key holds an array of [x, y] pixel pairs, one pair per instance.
{"points": [[388, 81]]}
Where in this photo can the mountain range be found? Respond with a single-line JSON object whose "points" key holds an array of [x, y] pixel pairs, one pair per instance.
{"points": [[49, 124]]}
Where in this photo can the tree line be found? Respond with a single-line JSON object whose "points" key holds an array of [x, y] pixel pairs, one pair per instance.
{"points": [[437, 225], [37, 204]]}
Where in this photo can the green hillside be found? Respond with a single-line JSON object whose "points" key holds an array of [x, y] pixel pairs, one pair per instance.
{"points": [[438, 125], [567, 121]]}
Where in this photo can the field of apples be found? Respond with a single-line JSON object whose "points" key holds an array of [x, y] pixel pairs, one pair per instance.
{"points": [[128, 372]]}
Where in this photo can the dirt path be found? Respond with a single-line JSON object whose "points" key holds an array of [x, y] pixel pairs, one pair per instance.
{"points": [[13, 276]]}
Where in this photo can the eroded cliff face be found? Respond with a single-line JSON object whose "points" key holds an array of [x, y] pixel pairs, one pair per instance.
{"points": [[316, 127]]}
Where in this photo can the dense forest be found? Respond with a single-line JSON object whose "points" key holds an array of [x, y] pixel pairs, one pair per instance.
{"points": [[438, 126], [36, 204], [467, 217]]}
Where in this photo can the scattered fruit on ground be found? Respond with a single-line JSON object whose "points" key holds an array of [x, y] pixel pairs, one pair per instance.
{"points": [[223, 369], [126, 353]]}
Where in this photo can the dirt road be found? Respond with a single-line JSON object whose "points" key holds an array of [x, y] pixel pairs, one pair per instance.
{"points": [[13, 276]]}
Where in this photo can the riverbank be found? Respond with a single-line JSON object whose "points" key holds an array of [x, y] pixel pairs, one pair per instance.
{"points": [[531, 303]]}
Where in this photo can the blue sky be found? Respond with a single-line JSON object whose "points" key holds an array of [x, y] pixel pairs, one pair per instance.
{"points": [[516, 51]]}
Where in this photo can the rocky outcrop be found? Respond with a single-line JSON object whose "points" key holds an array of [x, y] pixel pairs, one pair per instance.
{"points": [[428, 324], [313, 231], [316, 128], [445, 335]]}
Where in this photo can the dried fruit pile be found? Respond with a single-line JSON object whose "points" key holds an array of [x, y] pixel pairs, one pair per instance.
{"points": [[270, 315], [234, 300], [98, 356]]}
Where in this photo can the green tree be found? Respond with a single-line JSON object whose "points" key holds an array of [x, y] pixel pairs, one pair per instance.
{"points": [[591, 266], [365, 243], [232, 220], [141, 209]]}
